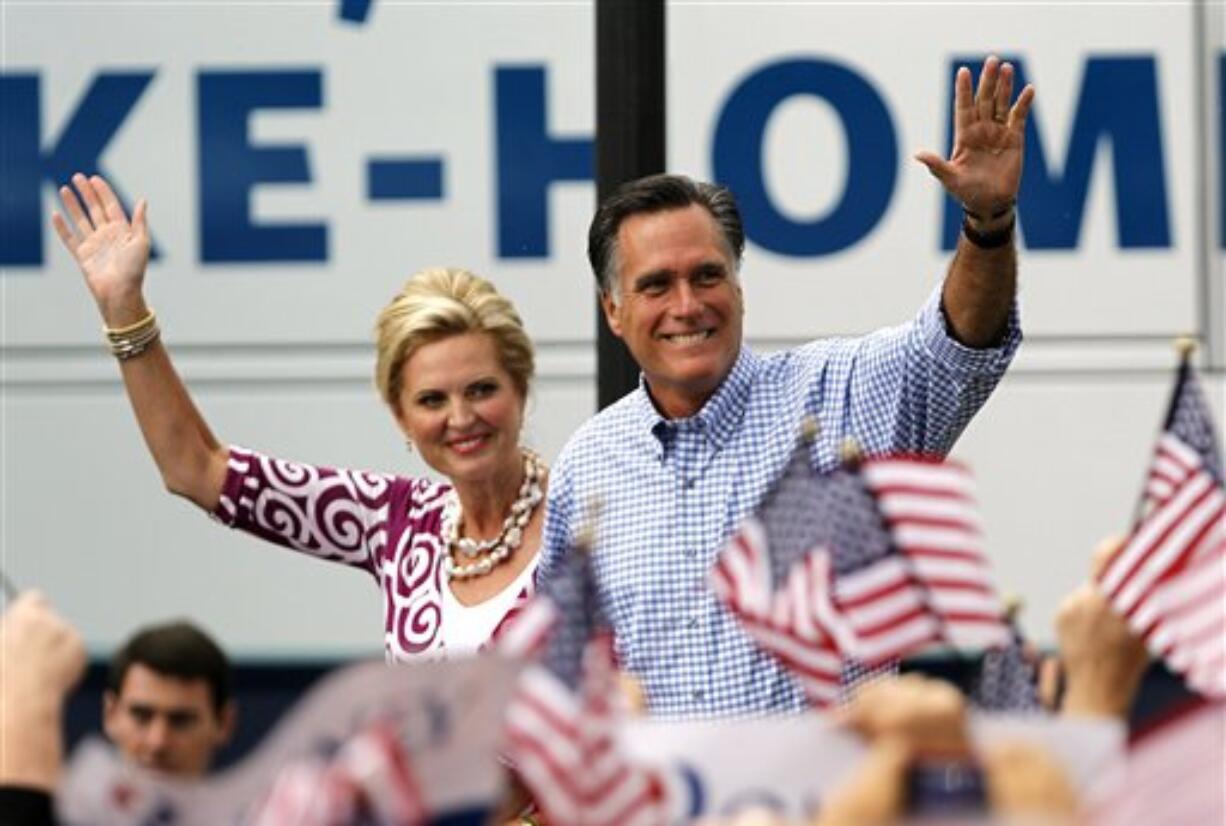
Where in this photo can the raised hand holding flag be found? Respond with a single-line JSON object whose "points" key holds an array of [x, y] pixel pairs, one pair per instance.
{"points": [[1169, 579]]}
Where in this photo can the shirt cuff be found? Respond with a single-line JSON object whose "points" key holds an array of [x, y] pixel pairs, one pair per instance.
{"points": [[237, 467], [953, 354]]}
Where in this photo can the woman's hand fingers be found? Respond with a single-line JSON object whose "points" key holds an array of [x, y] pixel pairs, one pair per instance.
{"points": [[72, 205], [111, 206], [140, 218], [69, 240], [89, 197]]}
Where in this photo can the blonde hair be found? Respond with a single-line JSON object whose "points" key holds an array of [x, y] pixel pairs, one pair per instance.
{"points": [[440, 302]]}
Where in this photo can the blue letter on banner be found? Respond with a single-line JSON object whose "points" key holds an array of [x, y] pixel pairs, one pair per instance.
{"points": [[872, 155], [529, 161], [24, 167], [1118, 102], [230, 167]]}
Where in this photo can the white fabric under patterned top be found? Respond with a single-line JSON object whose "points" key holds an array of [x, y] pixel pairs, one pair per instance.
{"points": [[466, 628]]}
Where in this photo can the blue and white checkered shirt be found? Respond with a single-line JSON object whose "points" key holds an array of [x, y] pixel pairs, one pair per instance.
{"points": [[671, 492]]}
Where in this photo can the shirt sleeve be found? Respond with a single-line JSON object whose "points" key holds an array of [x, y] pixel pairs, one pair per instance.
{"points": [[331, 514], [906, 389]]}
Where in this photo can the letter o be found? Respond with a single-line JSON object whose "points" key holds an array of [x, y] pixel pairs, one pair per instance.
{"points": [[872, 150]]}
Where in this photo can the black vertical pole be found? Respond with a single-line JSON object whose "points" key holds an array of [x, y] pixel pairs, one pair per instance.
{"points": [[629, 138]]}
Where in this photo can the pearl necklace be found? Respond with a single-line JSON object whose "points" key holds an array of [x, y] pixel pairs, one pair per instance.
{"points": [[508, 539]]}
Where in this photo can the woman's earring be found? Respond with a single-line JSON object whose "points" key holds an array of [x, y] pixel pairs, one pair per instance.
{"points": [[408, 445]]}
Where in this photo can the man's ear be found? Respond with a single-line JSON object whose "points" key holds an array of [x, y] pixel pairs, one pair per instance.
{"points": [[228, 717], [110, 712], [610, 313]]}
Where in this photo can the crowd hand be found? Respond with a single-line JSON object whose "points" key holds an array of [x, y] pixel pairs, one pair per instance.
{"points": [[876, 793], [1026, 785], [41, 651], [111, 251], [41, 659], [927, 715], [1103, 660], [904, 719], [984, 170]]}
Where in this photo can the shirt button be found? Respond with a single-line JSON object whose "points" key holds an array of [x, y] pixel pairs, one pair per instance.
{"points": [[691, 552], [698, 695], [689, 483]]}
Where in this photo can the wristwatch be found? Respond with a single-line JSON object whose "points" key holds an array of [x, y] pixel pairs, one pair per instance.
{"points": [[988, 240]]}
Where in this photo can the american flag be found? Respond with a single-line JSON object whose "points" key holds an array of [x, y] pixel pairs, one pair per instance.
{"points": [[1188, 441], [929, 506], [796, 623], [1172, 774], [873, 562], [1008, 678], [1169, 579], [369, 780], [562, 722]]}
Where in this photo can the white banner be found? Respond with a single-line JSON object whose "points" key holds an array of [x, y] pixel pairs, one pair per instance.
{"points": [[448, 716], [788, 765]]}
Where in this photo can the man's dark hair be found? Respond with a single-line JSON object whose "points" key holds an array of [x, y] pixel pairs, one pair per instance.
{"points": [[175, 649], [657, 193]]}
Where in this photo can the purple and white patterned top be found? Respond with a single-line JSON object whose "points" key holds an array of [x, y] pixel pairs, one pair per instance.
{"points": [[389, 526]]}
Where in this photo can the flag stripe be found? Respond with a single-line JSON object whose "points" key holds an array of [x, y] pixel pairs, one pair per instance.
{"points": [[1173, 545], [1149, 534]]}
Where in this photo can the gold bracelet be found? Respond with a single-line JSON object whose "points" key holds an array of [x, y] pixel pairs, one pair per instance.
{"points": [[133, 340], [114, 333], [132, 348]]}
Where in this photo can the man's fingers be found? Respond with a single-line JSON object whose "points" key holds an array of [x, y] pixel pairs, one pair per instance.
{"points": [[985, 96], [890, 755], [35, 598], [1017, 115], [110, 201], [938, 166], [964, 99], [1049, 681], [1004, 93], [1073, 601], [72, 205], [1104, 552]]}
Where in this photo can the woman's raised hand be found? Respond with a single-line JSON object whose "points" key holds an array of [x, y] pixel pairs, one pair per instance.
{"points": [[111, 251]]}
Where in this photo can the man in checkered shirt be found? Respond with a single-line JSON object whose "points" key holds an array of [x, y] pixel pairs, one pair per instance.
{"points": [[676, 464]]}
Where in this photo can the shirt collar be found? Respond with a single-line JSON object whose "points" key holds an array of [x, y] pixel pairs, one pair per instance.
{"points": [[722, 413]]}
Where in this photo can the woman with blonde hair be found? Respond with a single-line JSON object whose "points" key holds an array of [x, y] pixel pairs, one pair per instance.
{"points": [[454, 366]]}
